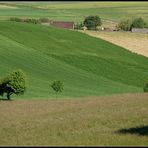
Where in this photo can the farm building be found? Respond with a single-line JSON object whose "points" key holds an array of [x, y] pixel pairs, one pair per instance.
{"points": [[60, 24], [67, 25], [140, 30]]}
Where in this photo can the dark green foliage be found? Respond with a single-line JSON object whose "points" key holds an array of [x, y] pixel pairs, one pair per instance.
{"points": [[78, 25], [44, 20], [16, 19], [27, 20], [138, 23], [145, 88], [33, 21], [91, 22], [57, 86], [125, 25], [13, 84], [128, 24]]}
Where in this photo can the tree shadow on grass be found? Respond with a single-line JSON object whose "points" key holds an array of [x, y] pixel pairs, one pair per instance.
{"points": [[140, 130], [3, 99]]}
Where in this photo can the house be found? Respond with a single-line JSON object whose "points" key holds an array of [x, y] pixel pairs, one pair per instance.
{"points": [[60, 24], [84, 28], [140, 30]]}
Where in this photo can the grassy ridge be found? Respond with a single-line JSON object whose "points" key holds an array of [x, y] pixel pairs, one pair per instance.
{"points": [[87, 66]]}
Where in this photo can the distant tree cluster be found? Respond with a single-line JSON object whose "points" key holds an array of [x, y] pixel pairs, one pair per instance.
{"points": [[91, 22], [29, 20], [128, 24]]}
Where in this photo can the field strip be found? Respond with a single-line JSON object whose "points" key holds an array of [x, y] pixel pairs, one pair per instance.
{"points": [[135, 42], [7, 7]]}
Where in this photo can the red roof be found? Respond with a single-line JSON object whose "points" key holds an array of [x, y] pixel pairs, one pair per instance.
{"points": [[67, 25]]}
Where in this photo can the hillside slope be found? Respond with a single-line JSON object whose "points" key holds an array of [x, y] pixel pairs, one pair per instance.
{"points": [[88, 66]]}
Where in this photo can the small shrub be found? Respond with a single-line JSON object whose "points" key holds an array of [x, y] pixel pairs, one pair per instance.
{"points": [[145, 88], [78, 25], [57, 86], [16, 19], [43, 20], [125, 25]]}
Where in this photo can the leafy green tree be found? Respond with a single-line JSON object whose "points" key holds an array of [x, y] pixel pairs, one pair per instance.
{"points": [[91, 22], [57, 86], [138, 23], [13, 84]]}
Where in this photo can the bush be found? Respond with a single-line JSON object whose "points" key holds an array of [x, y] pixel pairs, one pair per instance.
{"points": [[57, 86], [13, 84], [145, 88], [16, 19], [78, 25], [128, 24], [43, 20], [33, 21], [125, 25], [138, 23], [91, 22]]}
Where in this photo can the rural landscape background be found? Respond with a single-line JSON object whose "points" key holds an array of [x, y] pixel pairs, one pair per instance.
{"points": [[103, 73]]}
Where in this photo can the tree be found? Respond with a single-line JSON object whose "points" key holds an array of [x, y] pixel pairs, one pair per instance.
{"points": [[91, 22], [138, 23], [13, 84], [145, 88], [125, 24], [78, 25], [57, 86], [128, 24]]}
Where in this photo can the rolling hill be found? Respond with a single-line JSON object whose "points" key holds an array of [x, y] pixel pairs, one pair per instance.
{"points": [[88, 66]]}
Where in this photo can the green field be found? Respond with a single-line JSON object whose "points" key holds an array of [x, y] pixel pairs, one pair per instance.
{"points": [[102, 104], [88, 66], [75, 11]]}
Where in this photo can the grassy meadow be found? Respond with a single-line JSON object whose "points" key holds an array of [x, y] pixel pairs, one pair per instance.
{"points": [[95, 121]]}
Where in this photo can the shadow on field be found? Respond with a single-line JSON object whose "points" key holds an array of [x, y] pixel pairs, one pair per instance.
{"points": [[3, 99], [140, 130]]}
